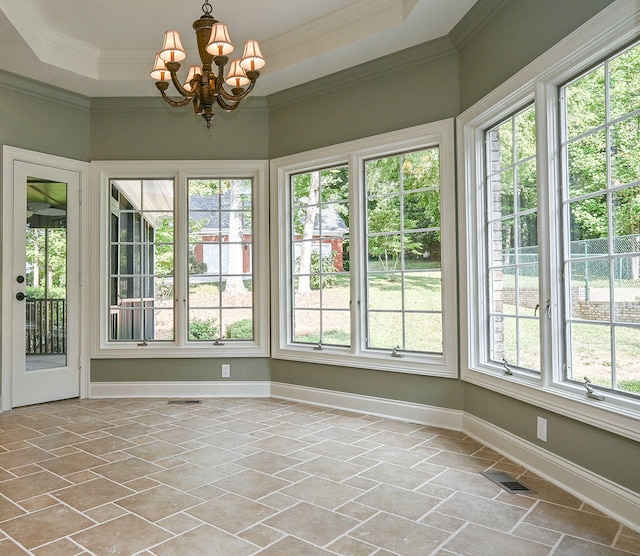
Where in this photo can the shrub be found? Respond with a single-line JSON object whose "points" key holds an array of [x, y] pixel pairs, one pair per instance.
{"points": [[325, 262], [629, 386], [240, 330], [203, 329], [55, 292]]}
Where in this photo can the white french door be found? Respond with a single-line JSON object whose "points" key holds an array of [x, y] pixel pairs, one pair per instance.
{"points": [[41, 282]]}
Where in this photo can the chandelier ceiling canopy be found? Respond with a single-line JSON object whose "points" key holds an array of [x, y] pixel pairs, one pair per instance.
{"points": [[206, 84]]}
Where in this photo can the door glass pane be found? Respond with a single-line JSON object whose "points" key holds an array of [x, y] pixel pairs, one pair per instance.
{"points": [[46, 275]]}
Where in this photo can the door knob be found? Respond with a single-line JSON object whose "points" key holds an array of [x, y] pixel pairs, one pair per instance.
{"points": [[20, 296]]}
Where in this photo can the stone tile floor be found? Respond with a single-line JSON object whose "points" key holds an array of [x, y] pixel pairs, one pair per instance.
{"points": [[271, 477]]}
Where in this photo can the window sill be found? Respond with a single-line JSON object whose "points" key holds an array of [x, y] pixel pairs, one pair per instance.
{"points": [[171, 350], [613, 414], [407, 364]]}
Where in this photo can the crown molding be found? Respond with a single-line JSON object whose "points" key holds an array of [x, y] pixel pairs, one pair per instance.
{"points": [[49, 46], [43, 91], [110, 105], [474, 21], [345, 26], [398, 61]]}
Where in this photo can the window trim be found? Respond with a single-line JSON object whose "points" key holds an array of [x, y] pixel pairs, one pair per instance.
{"points": [[607, 32], [180, 171], [354, 153]]}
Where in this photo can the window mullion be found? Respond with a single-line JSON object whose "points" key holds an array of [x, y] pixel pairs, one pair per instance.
{"points": [[549, 121], [358, 237], [181, 265]]}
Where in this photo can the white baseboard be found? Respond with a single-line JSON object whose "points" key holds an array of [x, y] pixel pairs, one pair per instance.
{"points": [[209, 389], [610, 498], [382, 407]]}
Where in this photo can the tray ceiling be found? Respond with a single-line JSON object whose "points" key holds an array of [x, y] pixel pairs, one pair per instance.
{"points": [[107, 48]]}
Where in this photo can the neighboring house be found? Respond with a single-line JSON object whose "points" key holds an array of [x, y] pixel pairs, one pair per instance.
{"points": [[329, 232], [212, 248]]}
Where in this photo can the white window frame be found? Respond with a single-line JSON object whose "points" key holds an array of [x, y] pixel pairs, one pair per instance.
{"points": [[354, 154], [608, 31], [180, 171]]}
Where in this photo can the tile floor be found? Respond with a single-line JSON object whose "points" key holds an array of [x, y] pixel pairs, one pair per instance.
{"points": [[263, 476]]}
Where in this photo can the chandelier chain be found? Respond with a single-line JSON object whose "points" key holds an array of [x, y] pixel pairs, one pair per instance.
{"points": [[207, 8]]}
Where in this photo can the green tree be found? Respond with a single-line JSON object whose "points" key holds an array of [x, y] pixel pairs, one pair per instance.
{"points": [[46, 258], [315, 193], [588, 173], [403, 206]]}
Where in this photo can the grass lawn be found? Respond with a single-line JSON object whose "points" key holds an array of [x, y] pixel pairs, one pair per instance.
{"points": [[421, 328]]}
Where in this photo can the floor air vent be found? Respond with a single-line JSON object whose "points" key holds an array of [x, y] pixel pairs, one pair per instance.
{"points": [[506, 481], [183, 402]]}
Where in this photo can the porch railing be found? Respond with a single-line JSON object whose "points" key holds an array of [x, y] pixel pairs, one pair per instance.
{"points": [[46, 326]]}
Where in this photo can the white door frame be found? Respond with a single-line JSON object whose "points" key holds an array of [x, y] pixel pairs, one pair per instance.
{"points": [[11, 155]]}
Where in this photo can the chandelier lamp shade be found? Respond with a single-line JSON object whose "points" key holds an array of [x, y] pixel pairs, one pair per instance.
{"points": [[206, 84]]}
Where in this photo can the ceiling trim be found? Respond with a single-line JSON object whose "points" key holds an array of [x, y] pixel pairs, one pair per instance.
{"points": [[345, 26], [49, 46], [403, 60], [474, 21], [24, 85], [106, 105]]}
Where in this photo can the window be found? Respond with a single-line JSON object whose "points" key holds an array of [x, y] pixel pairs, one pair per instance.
{"points": [[220, 260], [601, 210], [512, 243], [320, 251], [404, 252], [369, 267], [141, 266], [180, 248], [550, 221]]}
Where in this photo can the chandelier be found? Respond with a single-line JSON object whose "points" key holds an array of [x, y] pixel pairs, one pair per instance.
{"points": [[206, 85]]}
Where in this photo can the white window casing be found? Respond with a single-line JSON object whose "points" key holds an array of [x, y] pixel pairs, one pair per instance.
{"points": [[180, 172], [354, 154]]}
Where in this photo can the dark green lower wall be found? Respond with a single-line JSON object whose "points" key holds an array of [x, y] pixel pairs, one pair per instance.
{"points": [[178, 370], [439, 392], [609, 455]]}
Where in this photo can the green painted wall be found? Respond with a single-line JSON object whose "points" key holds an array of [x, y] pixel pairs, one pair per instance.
{"points": [[439, 392], [174, 370], [41, 118], [413, 87], [149, 129], [606, 454], [497, 38]]}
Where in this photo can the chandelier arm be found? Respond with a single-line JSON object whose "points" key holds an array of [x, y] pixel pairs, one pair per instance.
{"points": [[236, 98], [226, 106], [175, 103], [206, 86], [184, 92]]}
